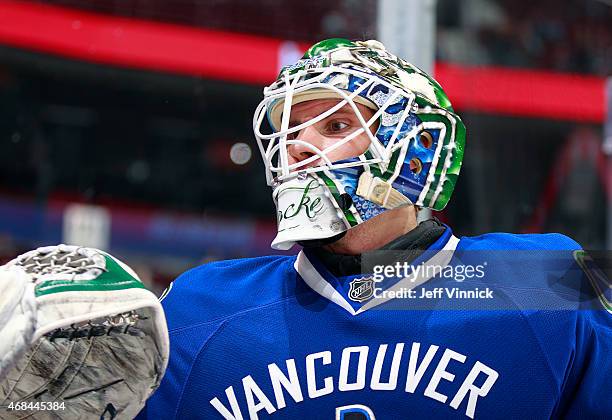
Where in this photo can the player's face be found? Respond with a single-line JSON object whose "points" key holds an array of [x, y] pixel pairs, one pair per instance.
{"points": [[325, 133]]}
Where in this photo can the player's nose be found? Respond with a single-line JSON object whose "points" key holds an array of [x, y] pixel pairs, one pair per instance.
{"points": [[297, 152]]}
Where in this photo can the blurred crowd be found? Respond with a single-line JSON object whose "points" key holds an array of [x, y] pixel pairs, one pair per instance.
{"points": [[569, 36]]}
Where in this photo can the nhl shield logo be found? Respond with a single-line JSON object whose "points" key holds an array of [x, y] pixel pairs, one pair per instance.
{"points": [[361, 289]]}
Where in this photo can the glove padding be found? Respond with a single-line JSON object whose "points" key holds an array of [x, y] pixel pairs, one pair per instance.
{"points": [[77, 326]]}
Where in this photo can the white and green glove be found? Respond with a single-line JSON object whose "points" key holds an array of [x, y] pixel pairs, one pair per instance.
{"points": [[80, 336]]}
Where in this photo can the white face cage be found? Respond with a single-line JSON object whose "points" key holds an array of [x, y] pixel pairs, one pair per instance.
{"points": [[273, 146]]}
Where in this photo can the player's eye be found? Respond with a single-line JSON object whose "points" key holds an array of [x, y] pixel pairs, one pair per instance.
{"points": [[336, 126]]}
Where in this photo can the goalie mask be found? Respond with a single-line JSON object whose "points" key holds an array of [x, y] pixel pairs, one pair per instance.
{"points": [[415, 145]]}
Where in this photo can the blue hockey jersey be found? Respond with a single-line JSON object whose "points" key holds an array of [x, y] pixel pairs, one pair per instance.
{"points": [[530, 337]]}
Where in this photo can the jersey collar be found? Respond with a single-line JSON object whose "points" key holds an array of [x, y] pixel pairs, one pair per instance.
{"points": [[337, 289]]}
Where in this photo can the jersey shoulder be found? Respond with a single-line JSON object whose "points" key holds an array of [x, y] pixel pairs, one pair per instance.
{"points": [[217, 290], [528, 271], [512, 241]]}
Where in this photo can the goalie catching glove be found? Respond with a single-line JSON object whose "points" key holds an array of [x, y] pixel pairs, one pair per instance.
{"points": [[77, 327]]}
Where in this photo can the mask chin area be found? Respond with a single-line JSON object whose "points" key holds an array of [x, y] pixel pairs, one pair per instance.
{"points": [[317, 243]]}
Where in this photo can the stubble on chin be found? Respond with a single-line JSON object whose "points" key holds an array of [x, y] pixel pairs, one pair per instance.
{"points": [[376, 232]]}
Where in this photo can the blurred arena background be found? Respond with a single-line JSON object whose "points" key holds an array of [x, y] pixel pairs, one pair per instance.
{"points": [[127, 123]]}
